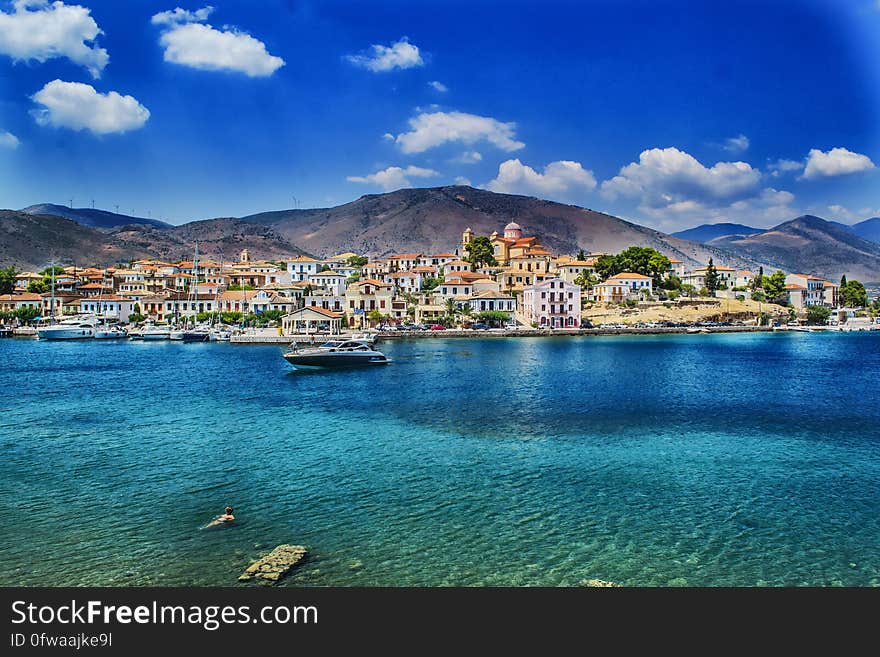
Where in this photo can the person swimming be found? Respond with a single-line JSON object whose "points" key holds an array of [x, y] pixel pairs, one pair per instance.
{"points": [[224, 519]]}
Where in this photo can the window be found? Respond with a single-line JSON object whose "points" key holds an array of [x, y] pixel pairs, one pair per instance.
{"points": [[543, 295]]}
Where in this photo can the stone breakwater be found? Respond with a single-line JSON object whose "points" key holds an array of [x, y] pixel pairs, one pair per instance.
{"points": [[275, 565]]}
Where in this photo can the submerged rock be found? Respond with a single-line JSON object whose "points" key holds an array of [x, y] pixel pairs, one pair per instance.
{"points": [[598, 583], [275, 565]]}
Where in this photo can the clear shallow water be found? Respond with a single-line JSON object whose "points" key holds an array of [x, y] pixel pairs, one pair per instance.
{"points": [[692, 460]]}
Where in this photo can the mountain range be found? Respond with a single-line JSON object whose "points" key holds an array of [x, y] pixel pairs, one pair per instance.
{"points": [[427, 220]]}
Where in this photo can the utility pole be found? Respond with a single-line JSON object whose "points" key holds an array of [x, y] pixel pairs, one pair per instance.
{"points": [[71, 204]]}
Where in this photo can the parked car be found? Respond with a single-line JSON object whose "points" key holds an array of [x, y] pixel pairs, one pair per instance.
{"points": [[480, 327], [438, 327]]}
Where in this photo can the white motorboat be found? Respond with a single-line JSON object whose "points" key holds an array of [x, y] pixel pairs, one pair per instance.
{"points": [[219, 335], [176, 334], [153, 332], [114, 332], [336, 353], [76, 328]]}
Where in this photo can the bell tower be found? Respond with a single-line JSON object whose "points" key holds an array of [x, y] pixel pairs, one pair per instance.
{"points": [[466, 238]]}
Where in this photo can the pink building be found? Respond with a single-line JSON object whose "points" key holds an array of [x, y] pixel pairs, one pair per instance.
{"points": [[552, 302]]}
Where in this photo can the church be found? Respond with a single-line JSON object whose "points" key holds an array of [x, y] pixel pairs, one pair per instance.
{"points": [[511, 245]]}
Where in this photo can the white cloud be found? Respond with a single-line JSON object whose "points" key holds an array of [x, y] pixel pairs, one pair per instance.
{"points": [[78, 106], [559, 180], [190, 42], [738, 144], [8, 140], [782, 166], [468, 157], [664, 177], [179, 15], [836, 162], [438, 86], [461, 180], [388, 136], [436, 128], [393, 177], [381, 59], [37, 30]]}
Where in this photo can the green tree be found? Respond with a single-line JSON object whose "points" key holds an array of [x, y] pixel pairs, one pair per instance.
{"points": [[671, 282], [27, 313], [636, 259], [325, 268], [7, 280], [818, 314], [481, 253], [712, 279], [374, 316], [843, 281], [853, 294], [688, 289], [586, 280], [451, 311], [354, 278], [47, 272], [774, 288], [38, 287], [493, 316], [429, 283], [581, 256], [235, 287], [758, 281], [357, 261], [135, 318]]}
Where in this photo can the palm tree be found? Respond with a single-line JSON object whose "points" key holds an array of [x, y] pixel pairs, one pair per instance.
{"points": [[452, 310], [466, 311]]}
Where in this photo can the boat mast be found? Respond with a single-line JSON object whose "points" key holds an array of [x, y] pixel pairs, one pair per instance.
{"points": [[52, 301]]}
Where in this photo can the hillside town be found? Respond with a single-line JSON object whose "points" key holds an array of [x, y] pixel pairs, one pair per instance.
{"points": [[503, 280]]}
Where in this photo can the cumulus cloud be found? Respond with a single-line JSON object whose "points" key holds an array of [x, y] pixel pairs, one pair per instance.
{"points": [[79, 106], [8, 140], [836, 162], [461, 180], [438, 86], [559, 180], [189, 41], [664, 177], [178, 15], [388, 136], [782, 166], [738, 144], [393, 177], [39, 31], [381, 59], [431, 129], [469, 157]]}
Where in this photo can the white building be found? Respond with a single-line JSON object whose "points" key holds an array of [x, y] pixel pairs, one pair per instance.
{"points": [[626, 285], [110, 307], [301, 267], [553, 303]]}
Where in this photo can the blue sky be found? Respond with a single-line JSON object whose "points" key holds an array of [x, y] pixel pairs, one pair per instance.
{"points": [[669, 113]]}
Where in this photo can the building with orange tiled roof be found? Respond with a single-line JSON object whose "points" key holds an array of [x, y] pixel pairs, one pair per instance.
{"points": [[623, 286]]}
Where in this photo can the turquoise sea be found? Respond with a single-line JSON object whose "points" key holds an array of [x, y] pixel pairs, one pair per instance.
{"points": [[647, 460]]}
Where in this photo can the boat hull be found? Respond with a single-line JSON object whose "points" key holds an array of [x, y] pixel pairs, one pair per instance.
{"points": [[190, 336], [334, 360], [110, 335], [154, 336], [75, 333]]}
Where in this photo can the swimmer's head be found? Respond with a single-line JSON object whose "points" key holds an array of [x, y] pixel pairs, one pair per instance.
{"points": [[228, 509]]}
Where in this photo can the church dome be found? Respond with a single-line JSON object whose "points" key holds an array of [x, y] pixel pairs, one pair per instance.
{"points": [[512, 231]]}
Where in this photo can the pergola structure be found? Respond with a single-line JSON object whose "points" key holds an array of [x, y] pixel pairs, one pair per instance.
{"points": [[311, 319]]}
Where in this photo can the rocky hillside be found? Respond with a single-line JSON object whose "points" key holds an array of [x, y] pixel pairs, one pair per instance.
{"points": [[810, 245], [31, 241], [431, 220], [92, 217]]}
